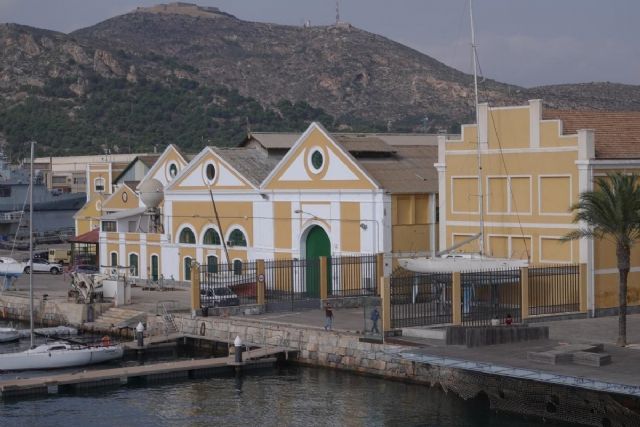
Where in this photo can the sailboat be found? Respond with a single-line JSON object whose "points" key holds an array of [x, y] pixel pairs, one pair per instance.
{"points": [[447, 261], [55, 354]]}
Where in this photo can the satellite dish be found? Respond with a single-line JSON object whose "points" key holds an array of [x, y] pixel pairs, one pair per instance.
{"points": [[151, 193]]}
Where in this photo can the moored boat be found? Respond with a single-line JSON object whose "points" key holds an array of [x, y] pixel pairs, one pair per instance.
{"points": [[59, 355], [9, 335]]}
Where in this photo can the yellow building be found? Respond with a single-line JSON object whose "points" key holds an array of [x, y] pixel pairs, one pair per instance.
{"points": [[277, 196], [535, 163]]}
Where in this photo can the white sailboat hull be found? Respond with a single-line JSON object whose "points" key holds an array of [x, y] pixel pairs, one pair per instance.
{"points": [[459, 264], [58, 356], [9, 334]]}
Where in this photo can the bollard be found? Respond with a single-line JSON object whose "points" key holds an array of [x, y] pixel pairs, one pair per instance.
{"points": [[238, 345], [140, 334]]}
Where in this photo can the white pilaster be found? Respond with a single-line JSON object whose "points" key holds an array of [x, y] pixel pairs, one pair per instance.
{"points": [[535, 115]]}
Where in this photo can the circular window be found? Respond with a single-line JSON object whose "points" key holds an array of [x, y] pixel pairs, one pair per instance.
{"points": [[125, 197], [211, 171], [99, 205], [317, 160], [173, 170]]}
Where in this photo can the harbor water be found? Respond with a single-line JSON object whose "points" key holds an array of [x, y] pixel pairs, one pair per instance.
{"points": [[290, 396]]}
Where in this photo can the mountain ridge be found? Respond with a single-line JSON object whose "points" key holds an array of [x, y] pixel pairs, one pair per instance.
{"points": [[212, 76]]}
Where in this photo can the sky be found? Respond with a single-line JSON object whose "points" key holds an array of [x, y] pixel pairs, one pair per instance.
{"points": [[523, 42]]}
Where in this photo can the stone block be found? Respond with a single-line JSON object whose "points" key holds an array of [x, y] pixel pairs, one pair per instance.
{"points": [[312, 346], [551, 357], [588, 358], [334, 358], [380, 365]]}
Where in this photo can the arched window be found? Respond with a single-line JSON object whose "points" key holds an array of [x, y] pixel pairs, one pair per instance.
{"points": [[187, 268], [212, 264], [237, 267], [133, 264], [236, 238], [114, 259], [187, 236], [211, 237]]}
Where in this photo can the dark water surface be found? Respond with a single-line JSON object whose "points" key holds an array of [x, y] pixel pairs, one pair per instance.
{"points": [[278, 397]]}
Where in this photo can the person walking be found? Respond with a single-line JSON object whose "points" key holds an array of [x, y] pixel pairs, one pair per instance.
{"points": [[375, 315], [328, 317]]}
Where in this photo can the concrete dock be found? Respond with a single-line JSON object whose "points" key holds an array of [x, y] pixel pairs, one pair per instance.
{"points": [[145, 374]]}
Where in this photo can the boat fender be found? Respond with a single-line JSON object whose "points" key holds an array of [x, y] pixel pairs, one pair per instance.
{"points": [[203, 329]]}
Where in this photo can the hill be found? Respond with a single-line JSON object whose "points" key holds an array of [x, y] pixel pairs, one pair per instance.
{"points": [[185, 74]]}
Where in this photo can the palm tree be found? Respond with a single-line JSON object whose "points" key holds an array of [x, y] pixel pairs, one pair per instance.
{"points": [[612, 211]]}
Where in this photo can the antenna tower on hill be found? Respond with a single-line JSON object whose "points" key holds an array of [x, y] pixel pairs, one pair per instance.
{"points": [[337, 12]]}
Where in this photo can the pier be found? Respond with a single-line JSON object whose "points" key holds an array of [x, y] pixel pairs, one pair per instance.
{"points": [[144, 374]]}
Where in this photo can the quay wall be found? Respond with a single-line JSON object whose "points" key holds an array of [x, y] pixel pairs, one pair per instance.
{"points": [[345, 351], [49, 311]]}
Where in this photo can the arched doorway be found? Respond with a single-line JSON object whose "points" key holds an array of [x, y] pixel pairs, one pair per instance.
{"points": [[317, 244]]}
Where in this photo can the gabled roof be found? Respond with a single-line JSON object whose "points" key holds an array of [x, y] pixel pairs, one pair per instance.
{"points": [[410, 170], [617, 134], [248, 162], [148, 160]]}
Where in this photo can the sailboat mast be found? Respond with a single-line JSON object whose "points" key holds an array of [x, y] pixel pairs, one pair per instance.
{"points": [[31, 246], [478, 150]]}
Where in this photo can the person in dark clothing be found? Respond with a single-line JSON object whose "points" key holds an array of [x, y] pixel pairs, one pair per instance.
{"points": [[328, 317], [375, 315]]}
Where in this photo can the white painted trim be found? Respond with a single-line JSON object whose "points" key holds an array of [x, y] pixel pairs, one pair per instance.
{"points": [[309, 153], [153, 169], [512, 151], [453, 238], [513, 225], [205, 178], [300, 141], [242, 229], [551, 261], [604, 271], [129, 263], [510, 238], [510, 194], [179, 231], [540, 177], [200, 240], [451, 179]]}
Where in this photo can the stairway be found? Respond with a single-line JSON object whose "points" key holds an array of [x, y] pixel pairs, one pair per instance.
{"points": [[117, 318]]}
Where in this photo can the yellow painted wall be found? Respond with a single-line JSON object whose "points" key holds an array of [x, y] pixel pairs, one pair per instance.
{"points": [[87, 218], [606, 290], [282, 225], [123, 198], [410, 228], [350, 226], [200, 214]]}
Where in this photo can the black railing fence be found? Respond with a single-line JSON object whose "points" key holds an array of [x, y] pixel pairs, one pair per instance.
{"points": [[292, 280], [490, 294], [351, 276], [419, 299], [225, 285], [554, 289]]}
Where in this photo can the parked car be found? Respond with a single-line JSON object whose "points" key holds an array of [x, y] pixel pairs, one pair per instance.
{"points": [[62, 256], [219, 297], [43, 266]]}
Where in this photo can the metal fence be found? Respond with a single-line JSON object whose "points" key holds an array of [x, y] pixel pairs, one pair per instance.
{"points": [[419, 299], [225, 285], [351, 276], [292, 283], [490, 294], [554, 289]]}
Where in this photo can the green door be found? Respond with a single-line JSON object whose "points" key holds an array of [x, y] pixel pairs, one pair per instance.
{"points": [[154, 268], [317, 245]]}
